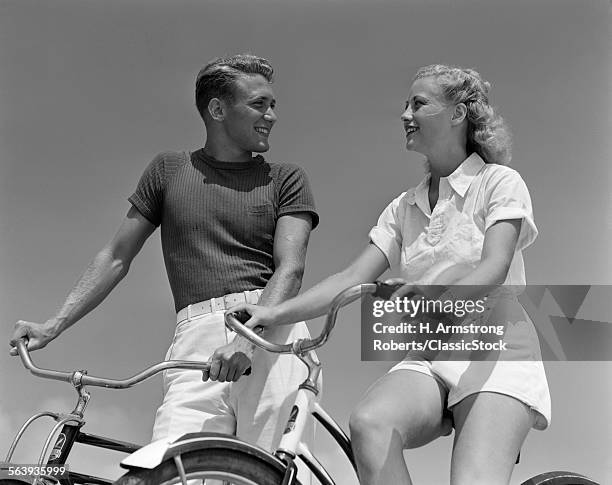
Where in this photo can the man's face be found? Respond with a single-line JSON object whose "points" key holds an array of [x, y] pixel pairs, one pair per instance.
{"points": [[250, 116]]}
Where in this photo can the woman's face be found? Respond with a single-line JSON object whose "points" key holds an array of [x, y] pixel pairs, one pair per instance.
{"points": [[427, 116]]}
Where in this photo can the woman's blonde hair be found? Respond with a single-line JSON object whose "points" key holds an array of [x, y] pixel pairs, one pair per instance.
{"points": [[487, 134]]}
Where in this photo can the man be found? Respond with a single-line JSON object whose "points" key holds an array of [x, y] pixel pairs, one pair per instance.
{"points": [[234, 228]]}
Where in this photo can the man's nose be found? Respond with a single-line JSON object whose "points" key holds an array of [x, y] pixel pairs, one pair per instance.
{"points": [[270, 115], [407, 114]]}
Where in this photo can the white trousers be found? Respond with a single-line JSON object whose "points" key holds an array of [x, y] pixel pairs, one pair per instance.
{"points": [[255, 408]]}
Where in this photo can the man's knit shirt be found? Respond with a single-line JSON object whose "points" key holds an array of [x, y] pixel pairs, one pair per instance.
{"points": [[218, 219]]}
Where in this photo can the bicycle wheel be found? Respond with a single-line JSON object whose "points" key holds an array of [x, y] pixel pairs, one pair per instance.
{"points": [[560, 478], [235, 467]]}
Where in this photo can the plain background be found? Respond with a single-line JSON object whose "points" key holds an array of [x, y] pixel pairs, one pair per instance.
{"points": [[90, 91]]}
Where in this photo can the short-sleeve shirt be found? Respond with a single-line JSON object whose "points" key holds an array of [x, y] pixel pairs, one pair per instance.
{"points": [[471, 199], [218, 219]]}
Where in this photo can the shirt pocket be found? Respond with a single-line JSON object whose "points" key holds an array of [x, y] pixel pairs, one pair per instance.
{"points": [[261, 223]]}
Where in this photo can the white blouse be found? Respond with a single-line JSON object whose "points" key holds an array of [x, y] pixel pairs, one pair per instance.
{"points": [[471, 199]]}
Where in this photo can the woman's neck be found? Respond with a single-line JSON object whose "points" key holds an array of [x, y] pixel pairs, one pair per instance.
{"points": [[445, 162]]}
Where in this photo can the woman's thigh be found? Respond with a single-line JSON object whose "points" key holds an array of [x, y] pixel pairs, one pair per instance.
{"points": [[409, 402], [489, 431]]}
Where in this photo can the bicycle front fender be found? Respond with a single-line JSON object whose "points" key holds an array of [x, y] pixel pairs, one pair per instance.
{"points": [[153, 454], [148, 456]]}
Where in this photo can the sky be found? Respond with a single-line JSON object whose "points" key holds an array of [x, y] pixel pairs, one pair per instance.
{"points": [[91, 91]]}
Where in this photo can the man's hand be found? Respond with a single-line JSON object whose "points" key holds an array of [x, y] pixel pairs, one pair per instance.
{"points": [[38, 335], [229, 362]]}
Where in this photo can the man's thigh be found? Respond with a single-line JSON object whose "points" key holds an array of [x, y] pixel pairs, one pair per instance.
{"points": [[263, 400], [191, 405]]}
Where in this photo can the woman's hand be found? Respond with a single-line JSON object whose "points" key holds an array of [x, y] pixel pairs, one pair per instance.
{"points": [[261, 316], [404, 290]]}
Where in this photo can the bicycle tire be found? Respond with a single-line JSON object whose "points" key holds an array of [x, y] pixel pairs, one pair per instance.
{"points": [[232, 466], [560, 478]]}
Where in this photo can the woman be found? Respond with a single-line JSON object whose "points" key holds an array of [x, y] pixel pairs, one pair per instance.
{"points": [[470, 211]]}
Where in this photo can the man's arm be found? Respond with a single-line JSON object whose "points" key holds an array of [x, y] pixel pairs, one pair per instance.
{"points": [[109, 267], [290, 243], [229, 362]]}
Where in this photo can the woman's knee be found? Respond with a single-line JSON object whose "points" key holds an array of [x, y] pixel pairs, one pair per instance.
{"points": [[364, 419], [367, 422]]}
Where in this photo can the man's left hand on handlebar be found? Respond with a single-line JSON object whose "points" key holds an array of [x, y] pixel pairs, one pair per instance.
{"points": [[229, 362]]}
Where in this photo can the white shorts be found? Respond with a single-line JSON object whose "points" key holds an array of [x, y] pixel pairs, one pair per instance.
{"points": [[255, 408], [519, 372]]}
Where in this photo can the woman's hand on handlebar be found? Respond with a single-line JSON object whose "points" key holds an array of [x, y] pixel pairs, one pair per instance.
{"points": [[260, 316], [402, 290]]}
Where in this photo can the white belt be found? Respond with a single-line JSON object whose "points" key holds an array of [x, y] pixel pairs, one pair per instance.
{"points": [[221, 303]]}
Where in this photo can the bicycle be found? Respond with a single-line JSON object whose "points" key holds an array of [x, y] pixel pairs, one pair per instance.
{"points": [[222, 457]]}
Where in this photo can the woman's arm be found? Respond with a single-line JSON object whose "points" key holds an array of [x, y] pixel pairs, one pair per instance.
{"points": [[497, 253], [368, 266]]}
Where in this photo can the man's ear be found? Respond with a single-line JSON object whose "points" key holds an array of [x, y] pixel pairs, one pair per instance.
{"points": [[459, 114], [216, 109]]}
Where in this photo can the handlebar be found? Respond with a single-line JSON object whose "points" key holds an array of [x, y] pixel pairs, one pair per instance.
{"points": [[377, 289], [80, 378]]}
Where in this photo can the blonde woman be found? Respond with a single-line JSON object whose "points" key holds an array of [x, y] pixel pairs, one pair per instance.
{"points": [[473, 212]]}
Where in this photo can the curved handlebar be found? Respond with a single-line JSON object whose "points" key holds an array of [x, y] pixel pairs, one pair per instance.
{"points": [[80, 378], [303, 345]]}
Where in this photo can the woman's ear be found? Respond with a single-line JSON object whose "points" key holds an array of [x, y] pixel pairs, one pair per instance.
{"points": [[459, 114]]}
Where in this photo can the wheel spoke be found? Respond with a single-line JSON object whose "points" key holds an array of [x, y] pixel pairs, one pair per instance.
{"points": [[181, 469]]}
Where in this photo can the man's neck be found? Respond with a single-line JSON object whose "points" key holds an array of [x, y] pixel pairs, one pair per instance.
{"points": [[225, 153]]}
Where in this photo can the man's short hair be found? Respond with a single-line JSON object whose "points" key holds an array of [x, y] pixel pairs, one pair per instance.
{"points": [[217, 78]]}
